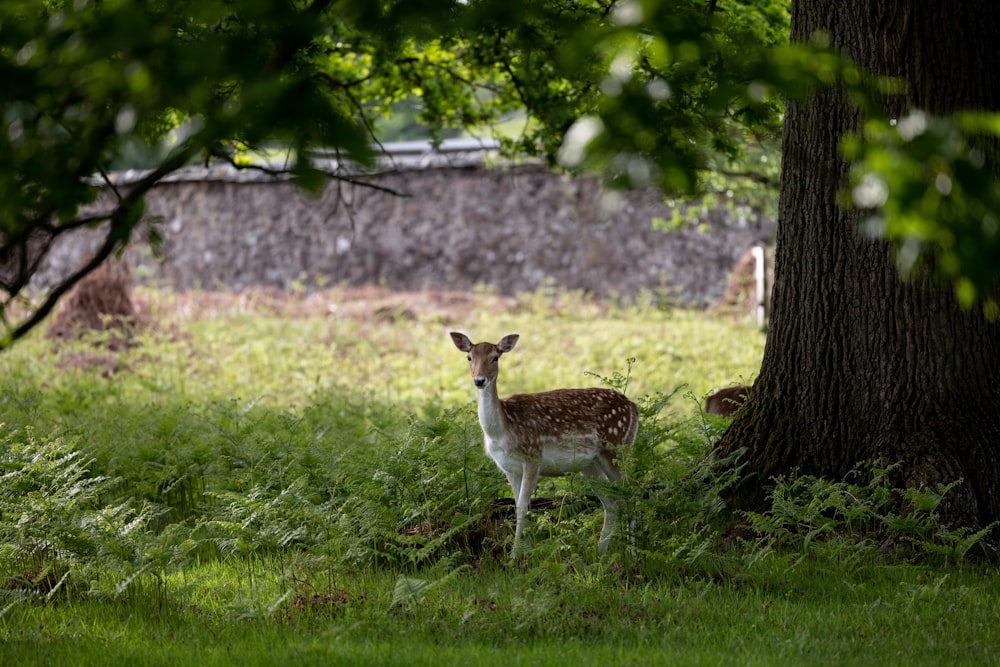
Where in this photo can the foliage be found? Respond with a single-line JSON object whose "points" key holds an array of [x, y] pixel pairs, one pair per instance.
{"points": [[925, 185], [88, 84], [58, 519], [860, 519], [355, 483], [648, 92]]}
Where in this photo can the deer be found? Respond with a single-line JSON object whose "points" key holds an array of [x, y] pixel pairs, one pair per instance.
{"points": [[550, 433], [726, 401]]}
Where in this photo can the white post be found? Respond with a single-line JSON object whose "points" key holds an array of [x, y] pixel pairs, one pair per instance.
{"points": [[760, 280]]}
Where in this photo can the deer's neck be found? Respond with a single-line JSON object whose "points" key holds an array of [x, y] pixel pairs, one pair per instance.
{"points": [[492, 417]]}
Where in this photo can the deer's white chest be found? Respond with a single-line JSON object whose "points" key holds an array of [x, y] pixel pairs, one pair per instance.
{"points": [[498, 449], [496, 438]]}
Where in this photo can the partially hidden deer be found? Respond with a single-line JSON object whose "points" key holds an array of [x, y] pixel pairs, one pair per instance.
{"points": [[726, 401], [549, 433]]}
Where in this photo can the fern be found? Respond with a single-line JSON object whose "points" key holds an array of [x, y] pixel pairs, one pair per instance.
{"points": [[851, 521], [56, 518]]}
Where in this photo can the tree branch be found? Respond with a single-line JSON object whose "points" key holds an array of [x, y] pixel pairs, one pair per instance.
{"points": [[121, 224]]}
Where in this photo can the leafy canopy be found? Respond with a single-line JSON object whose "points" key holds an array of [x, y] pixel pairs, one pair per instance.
{"points": [[90, 85], [926, 186], [665, 93]]}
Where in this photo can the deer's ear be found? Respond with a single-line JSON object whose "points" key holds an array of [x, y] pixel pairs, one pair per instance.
{"points": [[461, 341], [507, 343]]}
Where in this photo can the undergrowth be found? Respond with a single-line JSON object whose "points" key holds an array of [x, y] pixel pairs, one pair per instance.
{"points": [[121, 489], [861, 519], [416, 494]]}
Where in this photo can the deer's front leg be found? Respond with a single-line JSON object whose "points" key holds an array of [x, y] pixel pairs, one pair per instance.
{"points": [[514, 479], [522, 497]]}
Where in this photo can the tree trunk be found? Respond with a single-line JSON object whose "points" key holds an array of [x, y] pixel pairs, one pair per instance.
{"points": [[859, 366]]}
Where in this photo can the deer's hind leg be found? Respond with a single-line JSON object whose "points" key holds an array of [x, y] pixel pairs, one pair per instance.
{"points": [[604, 468]]}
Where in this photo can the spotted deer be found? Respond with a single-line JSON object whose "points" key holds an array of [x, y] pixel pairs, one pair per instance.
{"points": [[550, 433]]}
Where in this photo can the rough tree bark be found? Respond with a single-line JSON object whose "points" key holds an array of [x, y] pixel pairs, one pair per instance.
{"points": [[859, 366]]}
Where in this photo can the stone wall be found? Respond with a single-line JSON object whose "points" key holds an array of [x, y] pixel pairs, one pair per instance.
{"points": [[455, 227]]}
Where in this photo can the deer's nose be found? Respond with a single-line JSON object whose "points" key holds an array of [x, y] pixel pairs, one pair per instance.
{"points": [[479, 381]]}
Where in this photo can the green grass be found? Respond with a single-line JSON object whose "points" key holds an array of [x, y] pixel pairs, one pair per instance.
{"points": [[897, 616], [302, 482]]}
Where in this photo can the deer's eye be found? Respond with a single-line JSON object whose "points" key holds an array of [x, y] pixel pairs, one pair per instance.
{"points": [[469, 357], [496, 358]]}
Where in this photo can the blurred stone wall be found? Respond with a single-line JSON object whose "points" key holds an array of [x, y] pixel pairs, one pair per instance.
{"points": [[455, 227]]}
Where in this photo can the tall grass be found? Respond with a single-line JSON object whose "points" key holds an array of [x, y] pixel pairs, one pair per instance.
{"points": [[304, 480]]}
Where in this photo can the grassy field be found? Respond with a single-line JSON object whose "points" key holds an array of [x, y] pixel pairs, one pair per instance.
{"points": [[300, 480]]}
